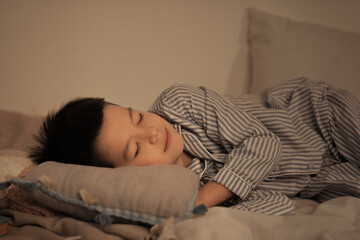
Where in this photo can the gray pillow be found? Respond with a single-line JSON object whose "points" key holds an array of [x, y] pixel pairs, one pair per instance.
{"points": [[106, 195]]}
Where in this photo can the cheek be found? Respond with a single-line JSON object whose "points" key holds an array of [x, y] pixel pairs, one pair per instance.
{"points": [[179, 141], [150, 156]]}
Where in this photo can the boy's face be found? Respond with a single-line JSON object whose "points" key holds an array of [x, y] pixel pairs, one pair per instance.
{"points": [[133, 138]]}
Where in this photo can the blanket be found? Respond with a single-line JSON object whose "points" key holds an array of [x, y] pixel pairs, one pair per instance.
{"points": [[62, 227], [335, 219]]}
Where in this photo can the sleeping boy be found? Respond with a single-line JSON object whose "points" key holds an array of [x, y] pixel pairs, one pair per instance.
{"points": [[253, 153]]}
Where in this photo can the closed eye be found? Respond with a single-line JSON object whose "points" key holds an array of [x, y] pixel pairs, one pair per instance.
{"points": [[141, 117], [138, 148]]}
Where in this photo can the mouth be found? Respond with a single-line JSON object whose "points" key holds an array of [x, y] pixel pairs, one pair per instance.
{"points": [[167, 140]]}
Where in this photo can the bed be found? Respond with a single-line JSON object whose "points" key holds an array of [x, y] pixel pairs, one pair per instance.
{"points": [[43, 205]]}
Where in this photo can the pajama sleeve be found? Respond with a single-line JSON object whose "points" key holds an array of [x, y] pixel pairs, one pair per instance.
{"points": [[267, 202], [252, 150]]}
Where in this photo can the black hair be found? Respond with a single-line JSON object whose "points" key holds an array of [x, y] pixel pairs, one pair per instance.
{"points": [[70, 134]]}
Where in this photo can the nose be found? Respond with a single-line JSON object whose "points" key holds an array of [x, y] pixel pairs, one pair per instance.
{"points": [[151, 135]]}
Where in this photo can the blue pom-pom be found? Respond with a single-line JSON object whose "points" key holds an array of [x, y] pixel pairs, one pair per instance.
{"points": [[200, 209], [103, 219], [4, 185], [31, 186]]}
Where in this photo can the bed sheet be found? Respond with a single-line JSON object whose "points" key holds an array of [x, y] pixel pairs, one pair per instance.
{"points": [[336, 219]]}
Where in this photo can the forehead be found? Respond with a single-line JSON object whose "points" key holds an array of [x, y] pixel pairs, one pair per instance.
{"points": [[113, 132], [114, 114]]}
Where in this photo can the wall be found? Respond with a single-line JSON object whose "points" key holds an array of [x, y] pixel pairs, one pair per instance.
{"points": [[128, 51]]}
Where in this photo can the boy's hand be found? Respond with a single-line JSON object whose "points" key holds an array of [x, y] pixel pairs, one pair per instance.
{"points": [[212, 194]]}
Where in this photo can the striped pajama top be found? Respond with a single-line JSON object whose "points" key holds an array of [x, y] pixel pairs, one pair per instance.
{"points": [[300, 139]]}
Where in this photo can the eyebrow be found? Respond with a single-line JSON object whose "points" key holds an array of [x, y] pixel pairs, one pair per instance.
{"points": [[130, 111]]}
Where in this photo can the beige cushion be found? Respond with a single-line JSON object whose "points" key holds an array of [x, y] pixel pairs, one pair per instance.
{"points": [[107, 195], [17, 130], [282, 49]]}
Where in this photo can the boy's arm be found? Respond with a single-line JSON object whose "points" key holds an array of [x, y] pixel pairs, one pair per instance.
{"points": [[252, 150], [212, 194], [261, 201]]}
